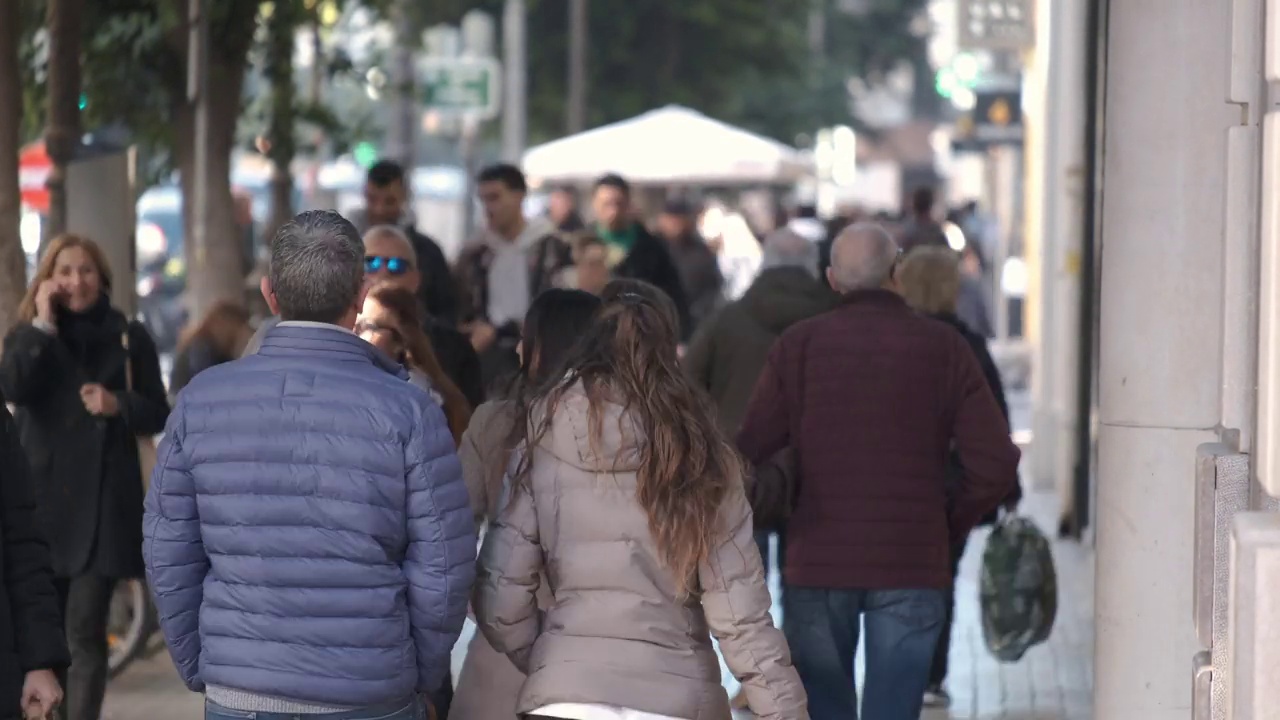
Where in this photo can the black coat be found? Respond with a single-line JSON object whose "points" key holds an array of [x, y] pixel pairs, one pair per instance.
{"points": [[88, 485], [30, 617], [458, 360], [437, 291], [650, 260], [992, 372]]}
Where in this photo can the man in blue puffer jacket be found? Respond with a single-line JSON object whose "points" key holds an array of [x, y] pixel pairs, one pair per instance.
{"points": [[308, 534]]}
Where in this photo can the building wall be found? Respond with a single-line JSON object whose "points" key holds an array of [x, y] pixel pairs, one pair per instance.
{"points": [[1161, 339]]}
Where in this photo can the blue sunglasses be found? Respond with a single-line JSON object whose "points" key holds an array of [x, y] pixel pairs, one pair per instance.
{"points": [[394, 265]]}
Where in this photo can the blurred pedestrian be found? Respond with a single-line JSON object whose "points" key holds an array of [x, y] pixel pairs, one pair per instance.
{"points": [[32, 648], [501, 273], [489, 684], [697, 264], [627, 496], [309, 542], [590, 271], [922, 228], [873, 397], [972, 306], [562, 211], [387, 202], [729, 351], [931, 283], [390, 321], [220, 337], [87, 387], [389, 257], [633, 251]]}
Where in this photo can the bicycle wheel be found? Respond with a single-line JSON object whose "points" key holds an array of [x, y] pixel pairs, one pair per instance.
{"points": [[130, 624]]}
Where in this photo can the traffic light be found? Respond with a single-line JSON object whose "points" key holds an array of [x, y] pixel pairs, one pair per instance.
{"points": [[84, 101], [365, 154]]}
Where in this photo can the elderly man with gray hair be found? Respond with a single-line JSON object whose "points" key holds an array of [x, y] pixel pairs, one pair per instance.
{"points": [[872, 398], [308, 534]]}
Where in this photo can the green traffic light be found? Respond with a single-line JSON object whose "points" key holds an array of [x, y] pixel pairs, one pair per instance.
{"points": [[365, 154], [946, 82], [84, 101]]}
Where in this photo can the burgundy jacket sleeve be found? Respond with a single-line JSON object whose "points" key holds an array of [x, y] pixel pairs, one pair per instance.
{"points": [[981, 433], [766, 429]]}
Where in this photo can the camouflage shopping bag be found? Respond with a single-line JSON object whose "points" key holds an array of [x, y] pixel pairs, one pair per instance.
{"points": [[1019, 588]]}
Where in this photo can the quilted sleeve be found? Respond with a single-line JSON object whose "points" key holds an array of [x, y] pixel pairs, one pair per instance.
{"points": [[174, 552], [511, 569], [439, 563], [736, 600]]}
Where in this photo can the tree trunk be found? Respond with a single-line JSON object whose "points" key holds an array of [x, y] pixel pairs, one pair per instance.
{"points": [[63, 129], [13, 265], [219, 275], [284, 23]]}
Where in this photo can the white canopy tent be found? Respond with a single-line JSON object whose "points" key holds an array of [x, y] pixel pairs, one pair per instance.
{"points": [[671, 145]]}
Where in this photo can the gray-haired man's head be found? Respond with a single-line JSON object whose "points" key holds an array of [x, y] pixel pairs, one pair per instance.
{"points": [[317, 269], [862, 258], [787, 248]]}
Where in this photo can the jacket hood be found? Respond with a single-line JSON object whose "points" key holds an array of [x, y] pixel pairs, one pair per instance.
{"points": [[571, 438], [782, 297]]}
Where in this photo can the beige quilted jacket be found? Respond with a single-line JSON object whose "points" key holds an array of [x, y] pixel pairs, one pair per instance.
{"points": [[615, 632]]}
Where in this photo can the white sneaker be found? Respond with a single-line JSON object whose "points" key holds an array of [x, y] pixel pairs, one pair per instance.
{"points": [[936, 697]]}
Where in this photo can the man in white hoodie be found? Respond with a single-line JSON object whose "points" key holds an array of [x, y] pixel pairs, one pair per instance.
{"points": [[501, 271]]}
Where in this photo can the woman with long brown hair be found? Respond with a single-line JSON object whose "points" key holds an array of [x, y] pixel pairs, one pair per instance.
{"points": [[86, 383], [391, 320], [629, 501], [219, 337]]}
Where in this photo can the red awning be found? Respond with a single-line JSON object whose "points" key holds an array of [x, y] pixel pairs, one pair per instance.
{"points": [[33, 171]]}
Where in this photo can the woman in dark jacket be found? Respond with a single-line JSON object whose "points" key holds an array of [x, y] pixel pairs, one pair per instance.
{"points": [[930, 280], [32, 648], [87, 386], [220, 337]]}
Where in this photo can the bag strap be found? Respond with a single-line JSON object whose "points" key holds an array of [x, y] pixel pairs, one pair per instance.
{"points": [[128, 361]]}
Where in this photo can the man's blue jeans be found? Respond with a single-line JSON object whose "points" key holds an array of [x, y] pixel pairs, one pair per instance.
{"points": [[822, 628], [410, 709]]}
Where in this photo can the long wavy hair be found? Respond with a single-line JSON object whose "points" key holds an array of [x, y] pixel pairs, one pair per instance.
{"points": [[225, 326], [628, 356], [44, 271], [419, 354]]}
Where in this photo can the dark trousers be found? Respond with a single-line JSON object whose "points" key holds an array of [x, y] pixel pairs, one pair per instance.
{"points": [[442, 698], [822, 628], [86, 602], [938, 672]]}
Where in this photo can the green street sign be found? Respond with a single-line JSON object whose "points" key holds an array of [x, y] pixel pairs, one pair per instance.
{"points": [[461, 86]]}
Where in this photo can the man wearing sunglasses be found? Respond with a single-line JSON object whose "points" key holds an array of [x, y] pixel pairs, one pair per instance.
{"points": [[387, 202], [389, 257]]}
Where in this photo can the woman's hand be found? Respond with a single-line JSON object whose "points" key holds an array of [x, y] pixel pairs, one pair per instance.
{"points": [[99, 400], [41, 694], [46, 296]]}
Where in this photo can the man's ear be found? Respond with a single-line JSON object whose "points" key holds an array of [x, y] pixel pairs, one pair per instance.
{"points": [[269, 295]]}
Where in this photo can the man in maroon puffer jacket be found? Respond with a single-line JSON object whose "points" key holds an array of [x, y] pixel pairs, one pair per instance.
{"points": [[871, 396]]}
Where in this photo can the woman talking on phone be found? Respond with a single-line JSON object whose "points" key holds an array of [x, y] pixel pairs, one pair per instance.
{"points": [[86, 384]]}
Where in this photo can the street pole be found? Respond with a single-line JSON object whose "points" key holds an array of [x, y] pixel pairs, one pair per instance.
{"points": [[514, 112], [402, 144], [198, 95], [576, 114]]}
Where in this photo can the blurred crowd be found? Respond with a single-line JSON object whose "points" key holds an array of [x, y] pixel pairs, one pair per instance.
{"points": [[630, 415]]}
